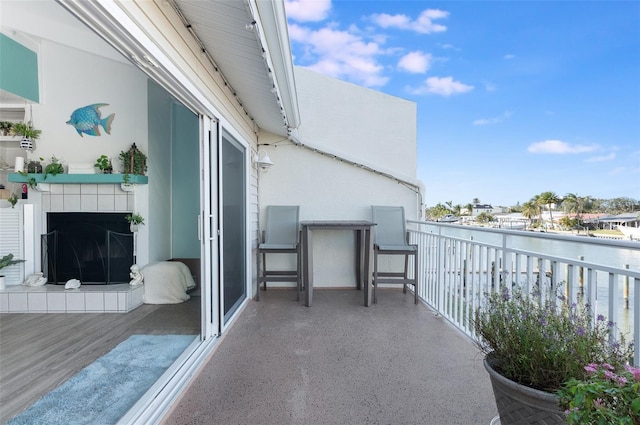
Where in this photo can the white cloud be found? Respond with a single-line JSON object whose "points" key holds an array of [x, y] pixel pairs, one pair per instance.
{"points": [[494, 120], [617, 171], [602, 158], [391, 21], [560, 147], [307, 10], [443, 86], [509, 56], [415, 62], [357, 55], [423, 24], [340, 54]]}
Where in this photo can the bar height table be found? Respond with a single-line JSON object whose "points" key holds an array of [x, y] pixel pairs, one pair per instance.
{"points": [[364, 248]]}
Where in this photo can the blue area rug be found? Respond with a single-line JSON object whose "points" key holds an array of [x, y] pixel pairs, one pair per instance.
{"points": [[104, 391]]}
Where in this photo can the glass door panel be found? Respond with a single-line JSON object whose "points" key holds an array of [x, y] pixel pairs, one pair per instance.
{"points": [[233, 183]]}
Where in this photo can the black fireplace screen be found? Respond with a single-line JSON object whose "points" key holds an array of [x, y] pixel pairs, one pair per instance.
{"points": [[95, 248]]}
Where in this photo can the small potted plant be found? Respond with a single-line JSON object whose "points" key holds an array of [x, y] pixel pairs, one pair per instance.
{"points": [[104, 164], [29, 134], [7, 261], [134, 161], [13, 199], [5, 128], [54, 167], [34, 167], [535, 344], [605, 396], [134, 220]]}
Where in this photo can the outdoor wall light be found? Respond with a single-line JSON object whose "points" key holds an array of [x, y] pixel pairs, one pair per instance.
{"points": [[262, 160]]}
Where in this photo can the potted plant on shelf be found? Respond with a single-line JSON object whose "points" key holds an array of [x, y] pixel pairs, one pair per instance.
{"points": [[134, 161], [104, 164], [7, 261], [29, 134], [134, 220], [6, 128], [534, 344], [34, 167], [54, 167]]}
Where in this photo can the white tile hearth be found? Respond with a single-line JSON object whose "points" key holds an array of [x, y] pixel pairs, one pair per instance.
{"points": [[117, 298]]}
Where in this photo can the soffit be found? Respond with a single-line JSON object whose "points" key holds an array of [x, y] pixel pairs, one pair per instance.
{"points": [[221, 26]]}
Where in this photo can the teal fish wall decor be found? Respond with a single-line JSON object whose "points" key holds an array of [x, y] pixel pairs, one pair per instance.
{"points": [[87, 120]]}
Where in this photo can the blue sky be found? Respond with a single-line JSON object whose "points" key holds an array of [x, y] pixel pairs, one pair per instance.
{"points": [[514, 97]]}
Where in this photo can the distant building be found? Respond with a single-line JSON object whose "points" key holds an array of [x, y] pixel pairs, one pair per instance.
{"points": [[485, 208], [613, 221]]}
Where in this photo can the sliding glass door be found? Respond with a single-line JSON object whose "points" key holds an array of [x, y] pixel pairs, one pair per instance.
{"points": [[234, 218]]}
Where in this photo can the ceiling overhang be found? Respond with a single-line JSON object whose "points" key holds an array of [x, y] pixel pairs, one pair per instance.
{"points": [[248, 42]]}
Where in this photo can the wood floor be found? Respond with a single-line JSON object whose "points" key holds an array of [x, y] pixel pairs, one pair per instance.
{"points": [[38, 352]]}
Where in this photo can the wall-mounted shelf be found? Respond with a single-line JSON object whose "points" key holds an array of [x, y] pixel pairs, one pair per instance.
{"points": [[10, 142], [79, 178], [10, 138]]}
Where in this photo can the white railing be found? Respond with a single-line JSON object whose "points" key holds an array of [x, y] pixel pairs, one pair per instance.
{"points": [[460, 264]]}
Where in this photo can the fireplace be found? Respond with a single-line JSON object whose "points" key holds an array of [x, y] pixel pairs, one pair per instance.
{"points": [[93, 247]]}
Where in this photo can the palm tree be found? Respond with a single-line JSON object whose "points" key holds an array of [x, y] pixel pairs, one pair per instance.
{"points": [[530, 209], [449, 205], [548, 199], [538, 207], [574, 203]]}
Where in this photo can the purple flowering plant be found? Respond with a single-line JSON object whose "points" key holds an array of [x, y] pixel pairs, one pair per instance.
{"points": [[543, 342], [606, 396]]}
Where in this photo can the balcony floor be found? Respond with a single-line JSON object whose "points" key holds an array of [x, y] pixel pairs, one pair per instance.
{"points": [[339, 362]]}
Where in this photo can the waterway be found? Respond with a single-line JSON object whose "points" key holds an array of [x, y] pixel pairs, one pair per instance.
{"points": [[592, 253]]}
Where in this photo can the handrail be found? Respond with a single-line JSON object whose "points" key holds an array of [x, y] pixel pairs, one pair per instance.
{"points": [[456, 272]]}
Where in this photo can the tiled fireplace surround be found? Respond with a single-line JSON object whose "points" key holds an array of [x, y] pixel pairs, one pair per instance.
{"points": [[118, 298], [87, 198]]}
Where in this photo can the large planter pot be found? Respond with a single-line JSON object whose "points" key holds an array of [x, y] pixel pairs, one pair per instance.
{"points": [[521, 405]]}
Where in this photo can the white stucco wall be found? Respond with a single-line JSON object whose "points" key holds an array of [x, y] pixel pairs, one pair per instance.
{"points": [[89, 81], [358, 122], [327, 188]]}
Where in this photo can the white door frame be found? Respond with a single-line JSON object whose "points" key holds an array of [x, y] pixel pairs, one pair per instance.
{"points": [[209, 254]]}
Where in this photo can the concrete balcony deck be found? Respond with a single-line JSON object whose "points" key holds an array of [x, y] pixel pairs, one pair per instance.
{"points": [[339, 362]]}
